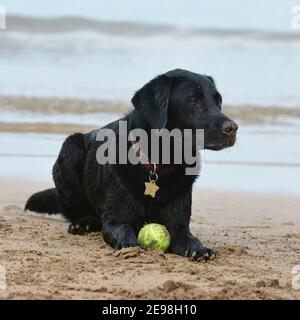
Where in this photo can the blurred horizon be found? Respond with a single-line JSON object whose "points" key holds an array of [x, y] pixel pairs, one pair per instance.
{"points": [[110, 59], [233, 14]]}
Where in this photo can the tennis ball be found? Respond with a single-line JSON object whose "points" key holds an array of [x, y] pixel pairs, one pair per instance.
{"points": [[154, 236]]}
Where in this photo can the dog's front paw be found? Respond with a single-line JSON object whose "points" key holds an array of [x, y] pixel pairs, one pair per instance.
{"points": [[126, 242], [125, 238], [192, 248]]}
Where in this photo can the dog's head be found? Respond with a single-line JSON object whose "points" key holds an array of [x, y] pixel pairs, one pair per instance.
{"points": [[186, 100]]}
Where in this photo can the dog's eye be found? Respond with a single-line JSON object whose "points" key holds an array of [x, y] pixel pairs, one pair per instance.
{"points": [[195, 102]]}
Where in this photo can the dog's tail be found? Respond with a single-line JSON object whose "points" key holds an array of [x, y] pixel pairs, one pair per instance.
{"points": [[43, 202]]}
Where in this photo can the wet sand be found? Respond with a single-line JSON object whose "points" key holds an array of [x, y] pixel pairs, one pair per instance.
{"points": [[246, 114], [257, 238]]}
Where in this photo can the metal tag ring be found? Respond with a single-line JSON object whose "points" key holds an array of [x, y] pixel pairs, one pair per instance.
{"points": [[153, 176]]}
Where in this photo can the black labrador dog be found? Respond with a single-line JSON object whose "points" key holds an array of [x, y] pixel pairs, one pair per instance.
{"points": [[110, 198]]}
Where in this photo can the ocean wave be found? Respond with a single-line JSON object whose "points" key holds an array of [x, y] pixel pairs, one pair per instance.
{"points": [[59, 25], [53, 105]]}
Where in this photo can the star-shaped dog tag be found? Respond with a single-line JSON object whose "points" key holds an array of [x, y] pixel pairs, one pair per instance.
{"points": [[151, 188]]}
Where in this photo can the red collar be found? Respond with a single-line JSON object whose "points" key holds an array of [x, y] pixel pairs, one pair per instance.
{"points": [[144, 161]]}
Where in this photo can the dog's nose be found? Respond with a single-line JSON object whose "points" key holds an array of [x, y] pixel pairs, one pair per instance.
{"points": [[230, 127]]}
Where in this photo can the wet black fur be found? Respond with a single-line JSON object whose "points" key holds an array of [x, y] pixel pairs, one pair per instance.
{"points": [[110, 198]]}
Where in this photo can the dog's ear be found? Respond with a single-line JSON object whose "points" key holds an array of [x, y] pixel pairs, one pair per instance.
{"points": [[152, 101]]}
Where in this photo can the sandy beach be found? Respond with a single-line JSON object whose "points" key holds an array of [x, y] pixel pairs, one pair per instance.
{"points": [[256, 236]]}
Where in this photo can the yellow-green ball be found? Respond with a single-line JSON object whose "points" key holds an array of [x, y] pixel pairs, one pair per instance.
{"points": [[154, 236]]}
